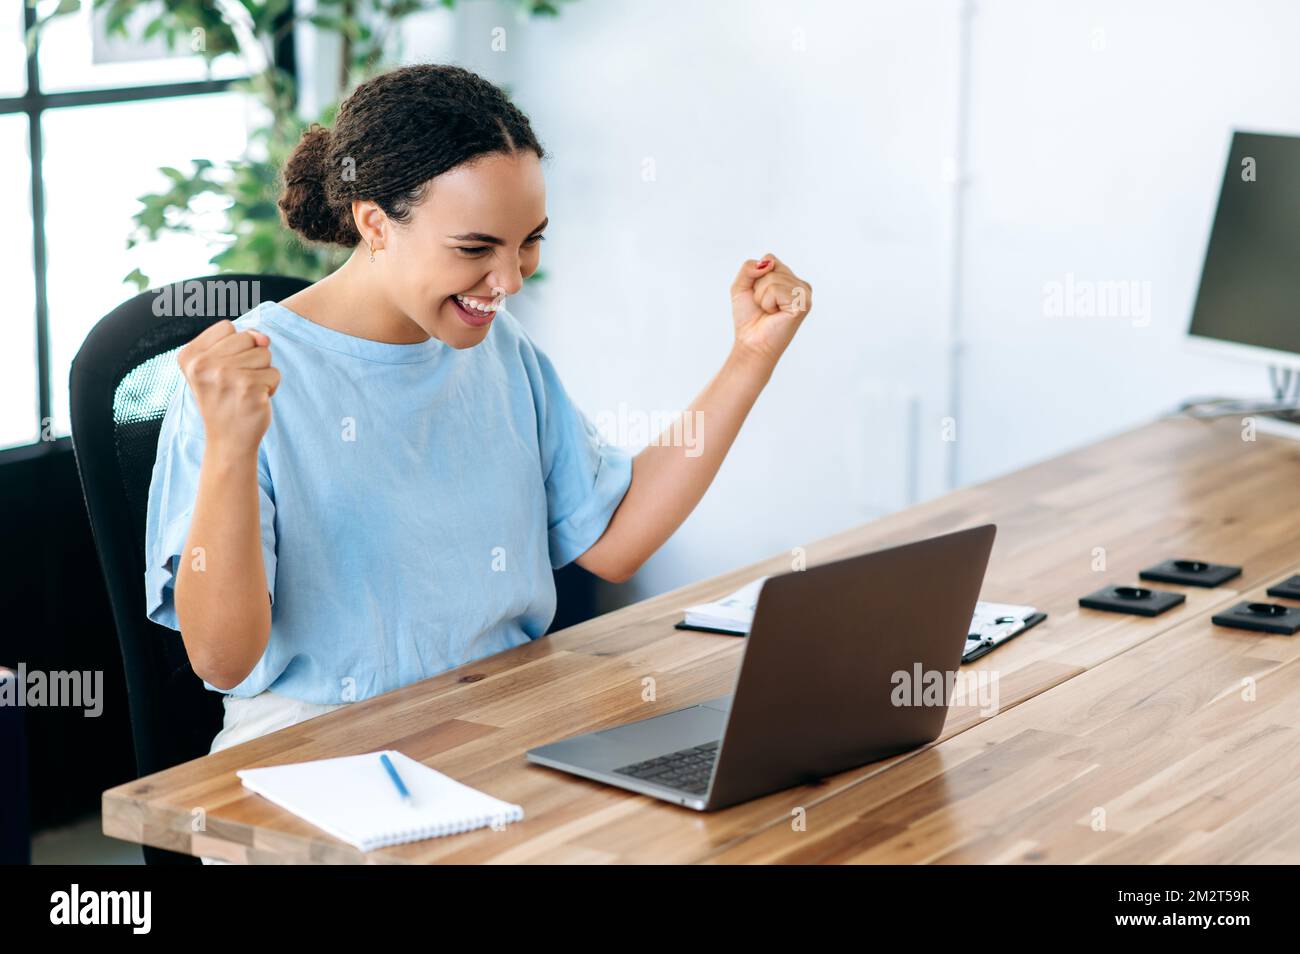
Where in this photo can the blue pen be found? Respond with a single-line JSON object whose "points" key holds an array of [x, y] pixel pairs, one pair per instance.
{"points": [[397, 779]]}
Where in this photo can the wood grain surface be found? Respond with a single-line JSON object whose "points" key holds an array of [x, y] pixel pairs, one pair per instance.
{"points": [[1115, 738]]}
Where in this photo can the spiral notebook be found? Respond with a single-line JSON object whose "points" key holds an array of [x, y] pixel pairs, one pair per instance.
{"points": [[354, 799]]}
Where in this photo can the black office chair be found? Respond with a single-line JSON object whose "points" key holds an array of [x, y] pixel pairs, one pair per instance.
{"points": [[122, 379]]}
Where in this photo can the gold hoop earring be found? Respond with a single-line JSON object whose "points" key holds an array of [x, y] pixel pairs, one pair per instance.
{"points": [[372, 252]]}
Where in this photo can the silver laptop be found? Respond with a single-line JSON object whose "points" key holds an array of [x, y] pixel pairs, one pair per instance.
{"points": [[826, 683]]}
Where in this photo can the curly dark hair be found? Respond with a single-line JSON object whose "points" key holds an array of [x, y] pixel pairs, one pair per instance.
{"points": [[393, 134]]}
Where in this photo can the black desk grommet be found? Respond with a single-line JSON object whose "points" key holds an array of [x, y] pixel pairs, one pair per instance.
{"points": [[1190, 572], [1137, 600], [1261, 618], [1287, 589]]}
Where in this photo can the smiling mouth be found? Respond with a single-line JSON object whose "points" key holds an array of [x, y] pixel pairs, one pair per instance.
{"points": [[475, 314], [479, 305]]}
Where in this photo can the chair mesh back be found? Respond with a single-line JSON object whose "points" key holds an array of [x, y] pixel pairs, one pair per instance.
{"points": [[139, 404]]}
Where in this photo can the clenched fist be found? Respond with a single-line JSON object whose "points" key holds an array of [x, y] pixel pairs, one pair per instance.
{"points": [[232, 379], [768, 303]]}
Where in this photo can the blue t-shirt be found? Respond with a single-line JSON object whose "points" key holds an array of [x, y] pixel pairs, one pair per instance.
{"points": [[414, 500]]}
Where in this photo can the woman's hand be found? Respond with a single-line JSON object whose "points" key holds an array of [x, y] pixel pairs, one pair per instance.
{"points": [[768, 303], [232, 379]]}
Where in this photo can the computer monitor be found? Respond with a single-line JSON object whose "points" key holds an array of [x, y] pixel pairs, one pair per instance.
{"points": [[1248, 304]]}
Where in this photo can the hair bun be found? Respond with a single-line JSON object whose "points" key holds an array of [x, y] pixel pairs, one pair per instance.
{"points": [[304, 200]]}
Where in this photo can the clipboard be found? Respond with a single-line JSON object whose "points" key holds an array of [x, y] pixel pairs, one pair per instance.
{"points": [[978, 644], [975, 648], [999, 621]]}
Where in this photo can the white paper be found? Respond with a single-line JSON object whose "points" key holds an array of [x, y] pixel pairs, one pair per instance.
{"points": [[354, 799]]}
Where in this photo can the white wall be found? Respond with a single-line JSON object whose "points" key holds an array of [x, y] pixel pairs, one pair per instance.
{"points": [[1104, 163], [829, 156], [824, 132]]}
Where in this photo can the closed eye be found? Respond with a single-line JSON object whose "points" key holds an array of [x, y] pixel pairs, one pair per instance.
{"points": [[480, 249]]}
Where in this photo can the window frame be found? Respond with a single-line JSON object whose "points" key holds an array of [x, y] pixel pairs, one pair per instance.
{"points": [[34, 102]]}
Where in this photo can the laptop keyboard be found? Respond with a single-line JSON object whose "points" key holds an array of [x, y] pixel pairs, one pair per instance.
{"points": [[688, 770]]}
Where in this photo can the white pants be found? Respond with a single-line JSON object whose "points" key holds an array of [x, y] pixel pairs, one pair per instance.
{"points": [[259, 715]]}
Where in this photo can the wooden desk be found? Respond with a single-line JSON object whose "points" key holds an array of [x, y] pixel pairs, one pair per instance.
{"points": [[1097, 710]]}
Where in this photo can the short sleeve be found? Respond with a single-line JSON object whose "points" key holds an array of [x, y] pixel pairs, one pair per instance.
{"points": [[586, 477], [172, 493]]}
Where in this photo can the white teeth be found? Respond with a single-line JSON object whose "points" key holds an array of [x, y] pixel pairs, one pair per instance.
{"points": [[471, 303]]}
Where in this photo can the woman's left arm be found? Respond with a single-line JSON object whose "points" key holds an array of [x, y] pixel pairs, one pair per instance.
{"points": [[670, 476]]}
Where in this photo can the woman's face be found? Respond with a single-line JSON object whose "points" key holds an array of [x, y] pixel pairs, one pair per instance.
{"points": [[476, 235]]}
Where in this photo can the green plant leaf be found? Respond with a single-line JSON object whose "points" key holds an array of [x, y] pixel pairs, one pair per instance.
{"points": [[252, 237]]}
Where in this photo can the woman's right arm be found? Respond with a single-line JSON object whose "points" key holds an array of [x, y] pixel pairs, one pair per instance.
{"points": [[222, 601]]}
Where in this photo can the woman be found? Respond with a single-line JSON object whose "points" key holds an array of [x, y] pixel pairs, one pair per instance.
{"points": [[424, 470]]}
